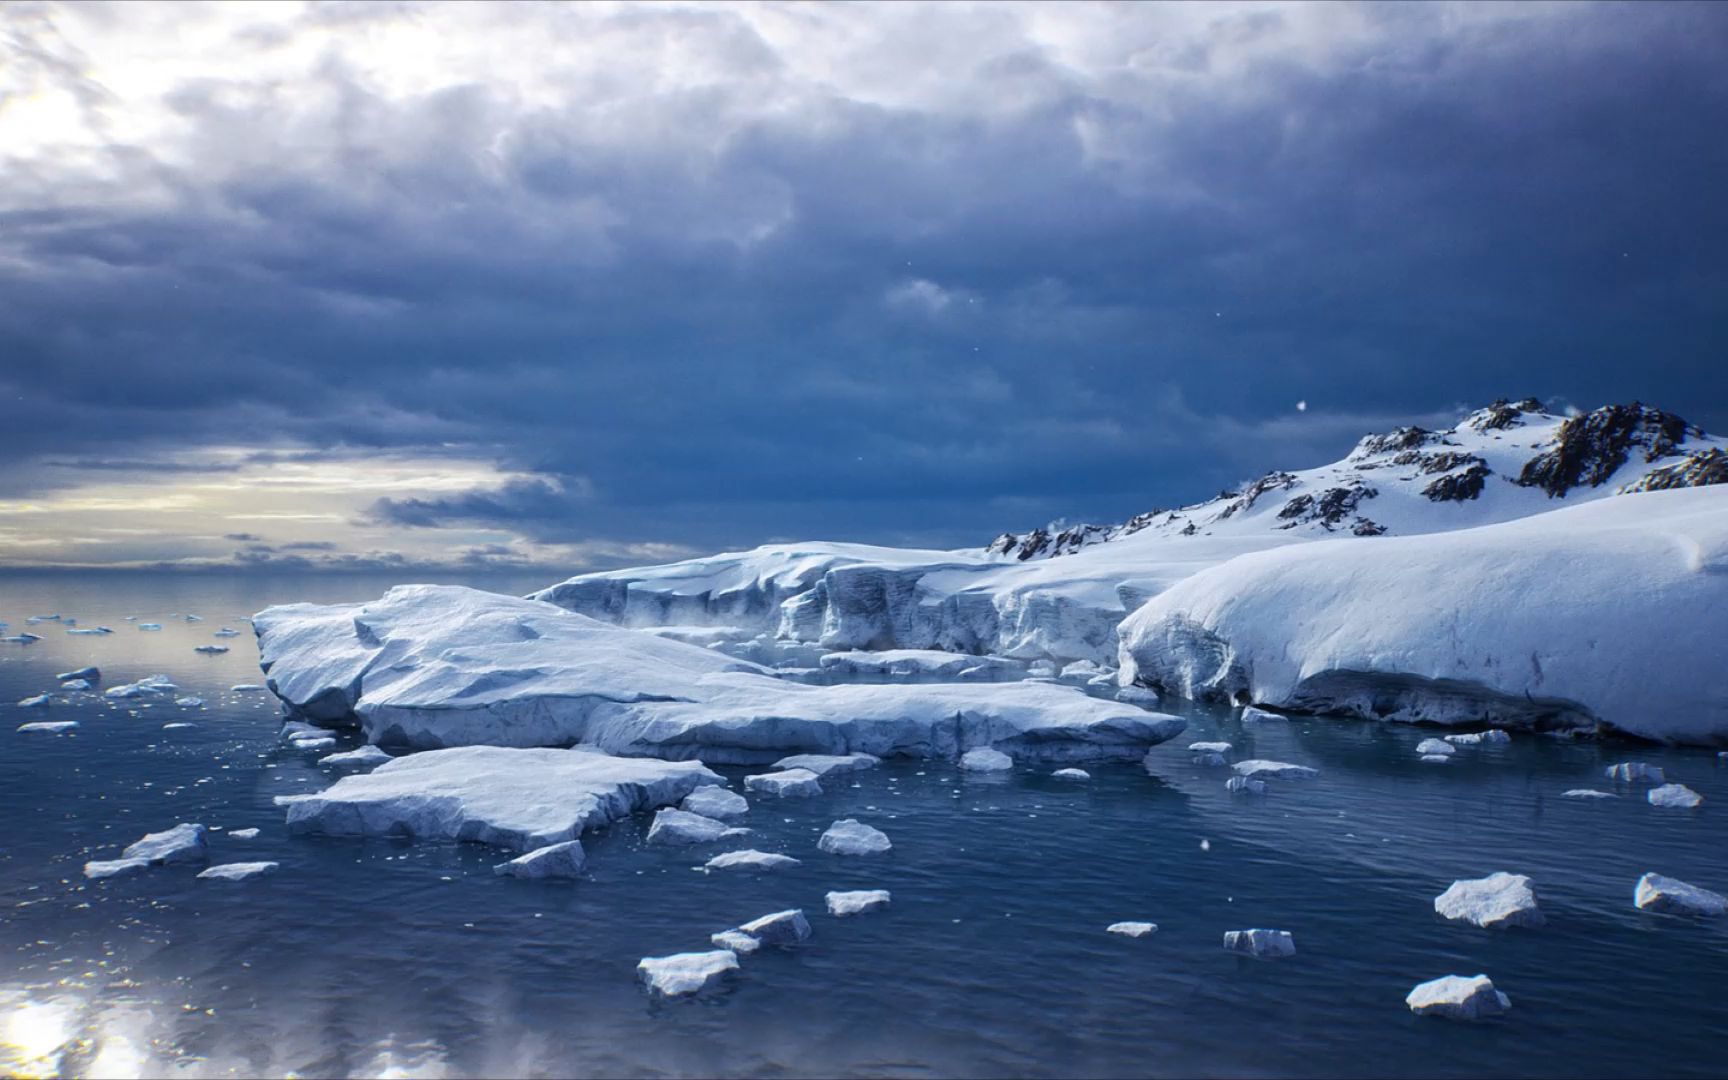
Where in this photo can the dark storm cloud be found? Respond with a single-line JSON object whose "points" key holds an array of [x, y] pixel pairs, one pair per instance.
{"points": [[907, 321]]}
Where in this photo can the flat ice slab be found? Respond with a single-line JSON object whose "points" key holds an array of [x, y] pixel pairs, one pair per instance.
{"points": [[1587, 793], [686, 973], [781, 929], [38, 701], [1497, 901], [1132, 929], [1439, 747], [51, 727], [1071, 774], [749, 860], [1209, 747], [1261, 769], [151, 686], [857, 901], [366, 755], [1635, 772], [823, 764], [1674, 797], [787, 783], [513, 798], [735, 940], [1458, 997], [680, 828], [87, 674], [238, 871], [183, 843], [715, 802], [561, 860], [1670, 896], [243, 834], [852, 837], [984, 759], [1267, 944]]}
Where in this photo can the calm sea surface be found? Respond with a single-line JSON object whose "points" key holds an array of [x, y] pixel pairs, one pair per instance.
{"points": [[412, 959]]}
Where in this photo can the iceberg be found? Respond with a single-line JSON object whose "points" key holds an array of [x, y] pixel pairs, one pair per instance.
{"points": [[985, 759], [1497, 901], [1260, 943], [677, 828], [852, 837], [857, 901], [508, 797], [1674, 797], [1132, 929], [437, 666], [749, 860], [238, 871], [561, 860], [1670, 896], [786, 783], [1458, 997], [715, 802], [686, 973]]}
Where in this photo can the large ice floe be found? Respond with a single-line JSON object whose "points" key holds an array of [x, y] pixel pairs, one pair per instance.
{"points": [[442, 666], [1605, 615], [1498, 900], [521, 799], [1458, 997]]}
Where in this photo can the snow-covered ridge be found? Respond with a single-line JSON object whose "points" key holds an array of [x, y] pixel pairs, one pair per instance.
{"points": [[1606, 614]]}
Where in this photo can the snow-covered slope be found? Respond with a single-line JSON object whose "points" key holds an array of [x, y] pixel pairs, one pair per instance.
{"points": [[1500, 463], [437, 666], [1611, 613]]}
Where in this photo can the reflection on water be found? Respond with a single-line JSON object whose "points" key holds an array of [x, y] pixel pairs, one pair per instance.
{"points": [[379, 958]]}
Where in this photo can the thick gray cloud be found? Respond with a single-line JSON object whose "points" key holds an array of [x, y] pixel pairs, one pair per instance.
{"points": [[708, 276]]}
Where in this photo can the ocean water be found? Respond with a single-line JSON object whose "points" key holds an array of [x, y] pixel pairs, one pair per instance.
{"points": [[381, 957]]}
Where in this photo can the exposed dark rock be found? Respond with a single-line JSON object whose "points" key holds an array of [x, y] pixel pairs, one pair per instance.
{"points": [[1270, 482], [1404, 438], [1588, 449], [1295, 508], [1365, 527], [1502, 414], [1459, 486], [1695, 470]]}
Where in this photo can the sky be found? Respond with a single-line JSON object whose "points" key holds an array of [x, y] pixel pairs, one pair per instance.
{"points": [[400, 286]]}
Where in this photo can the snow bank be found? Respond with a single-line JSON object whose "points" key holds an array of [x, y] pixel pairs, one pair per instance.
{"points": [[1605, 613], [513, 798]]}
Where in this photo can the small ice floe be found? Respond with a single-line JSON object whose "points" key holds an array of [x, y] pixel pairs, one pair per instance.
{"points": [[1138, 695], [297, 730], [1252, 715], [1458, 997], [226, 631], [562, 860], [823, 764], [363, 757], [34, 619], [39, 701], [149, 626], [194, 618], [98, 869], [680, 827], [182, 844], [49, 727], [1261, 769], [1071, 774], [247, 688], [1495, 902], [984, 759], [686, 973], [83, 674], [1435, 748], [1479, 738], [1266, 944], [75, 685], [786, 784], [151, 686], [21, 639], [1209, 748], [243, 834], [312, 744], [190, 702], [1587, 793], [1670, 896], [1674, 797], [1435, 759], [852, 837], [88, 631], [1246, 784], [716, 802], [1635, 772], [177, 726], [1082, 669], [210, 650], [781, 929], [238, 871], [749, 860], [735, 940], [1132, 929], [857, 901]]}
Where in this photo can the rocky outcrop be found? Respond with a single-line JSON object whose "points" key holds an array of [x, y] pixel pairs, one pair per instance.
{"points": [[1695, 470], [1589, 449]]}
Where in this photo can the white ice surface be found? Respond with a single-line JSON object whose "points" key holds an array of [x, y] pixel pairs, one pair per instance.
{"points": [[1496, 901]]}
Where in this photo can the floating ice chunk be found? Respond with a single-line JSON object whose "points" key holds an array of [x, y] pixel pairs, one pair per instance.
{"points": [[1209, 747], [40, 701], [561, 860], [1635, 772], [183, 843], [1439, 747], [1261, 943], [984, 759], [1252, 715], [715, 802], [786, 783], [749, 860], [823, 764], [782, 929], [857, 901], [243, 834], [312, 744], [1138, 695], [226, 631], [22, 639], [1132, 929], [151, 686], [1245, 783], [177, 726], [1670, 896], [735, 940], [1435, 759], [51, 727], [1587, 793], [210, 650], [515, 798], [1458, 997], [1275, 770], [1495, 902], [194, 618], [364, 756], [1479, 738], [1674, 796], [238, 871], [149, 626], [75, 684], [1083, 669], [296, 730], [247, 688], [686, 973], [42, 618], [1071, 774], [1214, 760], [852, 837], [87, 674], [89, 631], [190, 702], [680, 827], [96, 870]]}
